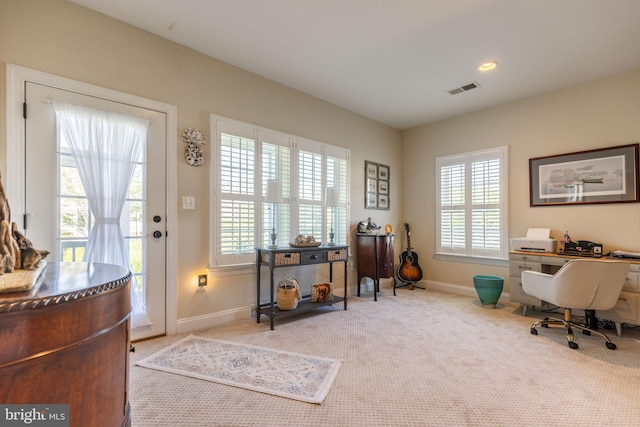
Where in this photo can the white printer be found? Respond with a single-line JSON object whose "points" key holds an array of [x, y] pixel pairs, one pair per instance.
{"points": [[537, 240]]}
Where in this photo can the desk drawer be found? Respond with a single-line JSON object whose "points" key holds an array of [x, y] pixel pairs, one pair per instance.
{"points": [[337, 255], [314, 257], [633, 281], [517, 267], [287, 258], [523, 257], [517, 293]]}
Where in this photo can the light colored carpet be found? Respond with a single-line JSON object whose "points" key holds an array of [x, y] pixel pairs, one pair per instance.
{"points": [[282, 373], [421, 358]]}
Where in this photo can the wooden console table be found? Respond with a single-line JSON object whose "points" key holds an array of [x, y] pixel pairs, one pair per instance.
{"points": [[294, 257], [66, 341]]}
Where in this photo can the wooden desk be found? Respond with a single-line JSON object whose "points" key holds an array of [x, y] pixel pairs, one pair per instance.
{"points": [[626, 310], [293, 257], [67, 342]]}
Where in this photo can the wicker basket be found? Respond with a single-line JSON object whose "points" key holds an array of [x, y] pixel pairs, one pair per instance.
{"points": [[288, 294]]}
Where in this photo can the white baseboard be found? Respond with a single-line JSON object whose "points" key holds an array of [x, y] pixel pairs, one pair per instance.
{"points": [[196, 323], [462, 290]]}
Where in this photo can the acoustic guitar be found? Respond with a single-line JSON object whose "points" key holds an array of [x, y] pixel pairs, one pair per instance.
{"points": [[409, 271]]}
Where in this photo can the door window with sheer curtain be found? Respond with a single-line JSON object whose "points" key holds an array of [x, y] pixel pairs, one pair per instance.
{"points": [[245, 157], [471, 204]]}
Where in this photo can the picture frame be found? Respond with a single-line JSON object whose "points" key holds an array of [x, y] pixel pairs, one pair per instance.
{"points": [[371, 201], [383, 201], [377, 188], [372, 185], [383, 172], [383, 187], [605, 175], [371, 170]]}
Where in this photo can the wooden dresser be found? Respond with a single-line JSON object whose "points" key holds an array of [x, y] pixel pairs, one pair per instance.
{"points": [[67, 342], [375, 259]]}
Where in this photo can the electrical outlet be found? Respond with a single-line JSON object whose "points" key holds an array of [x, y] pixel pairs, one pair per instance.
{"points": [[202, 280]]}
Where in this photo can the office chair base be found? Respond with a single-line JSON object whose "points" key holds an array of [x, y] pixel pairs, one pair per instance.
{"points": [[568, 325]]}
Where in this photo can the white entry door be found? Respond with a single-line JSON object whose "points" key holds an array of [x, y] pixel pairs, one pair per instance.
{"points": [[57, 216]]}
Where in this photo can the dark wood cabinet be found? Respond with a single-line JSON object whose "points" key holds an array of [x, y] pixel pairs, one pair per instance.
{"points": [[375, 259], [67, 342]]}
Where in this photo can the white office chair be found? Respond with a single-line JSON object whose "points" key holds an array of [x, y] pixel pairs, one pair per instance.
{"points": [[585, 284]]}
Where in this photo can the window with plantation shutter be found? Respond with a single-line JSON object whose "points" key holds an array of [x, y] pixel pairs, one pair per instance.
{"points": [[244, 158], [471, 204]]}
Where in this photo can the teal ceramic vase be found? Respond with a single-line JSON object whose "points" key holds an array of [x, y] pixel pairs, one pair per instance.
{"points": [[489, 289]]}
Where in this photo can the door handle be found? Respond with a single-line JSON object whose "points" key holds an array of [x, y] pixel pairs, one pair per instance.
{"points": [[157, 234]]}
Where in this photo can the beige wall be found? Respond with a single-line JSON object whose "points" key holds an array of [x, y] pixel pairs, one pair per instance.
{"points": [[598, 114], [61, 38]]}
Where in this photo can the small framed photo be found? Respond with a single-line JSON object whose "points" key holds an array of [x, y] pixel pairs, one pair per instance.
{"points": [[371, 201], [383, 201], [383, 187], [371, 170], [383, 172], [372, 185]]}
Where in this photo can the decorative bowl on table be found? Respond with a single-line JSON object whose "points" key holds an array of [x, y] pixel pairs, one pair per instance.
{"points": [[304, 242], [305, 245]]}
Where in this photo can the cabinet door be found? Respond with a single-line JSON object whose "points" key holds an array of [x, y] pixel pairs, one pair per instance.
{"points": [[366, 257], [385, 256]]}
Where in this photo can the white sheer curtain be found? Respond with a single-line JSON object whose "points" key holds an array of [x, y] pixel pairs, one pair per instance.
{"points": [[106, 147]]}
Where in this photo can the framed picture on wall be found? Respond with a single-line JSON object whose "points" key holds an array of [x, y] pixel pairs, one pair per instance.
{"points": [[383, 187], [383, 201], [371, 201], [377, 188], [371, 170], [606, 175]]}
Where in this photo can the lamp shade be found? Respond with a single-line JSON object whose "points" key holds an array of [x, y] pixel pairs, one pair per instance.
{"points": [[274, 191], [331, 197]]}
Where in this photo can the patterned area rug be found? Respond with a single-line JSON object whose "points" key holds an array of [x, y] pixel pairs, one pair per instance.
{"points": [[281, 373]]}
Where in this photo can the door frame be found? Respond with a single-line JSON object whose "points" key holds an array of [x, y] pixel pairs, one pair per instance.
{"points": [[16, 78]]}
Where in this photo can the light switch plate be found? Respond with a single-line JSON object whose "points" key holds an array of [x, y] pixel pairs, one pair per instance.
{"points": [[188, 202]]}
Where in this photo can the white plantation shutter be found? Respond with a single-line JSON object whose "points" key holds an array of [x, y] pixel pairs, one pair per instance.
{"points": [[471, 204], [237, 190], [452, 212], [276, 164], [485, 209], [336, 172], [310, 191], [244, 158]]}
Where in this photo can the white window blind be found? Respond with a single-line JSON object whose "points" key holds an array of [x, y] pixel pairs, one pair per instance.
{"points": [[471, 214], [236, 204], [244, 158]]}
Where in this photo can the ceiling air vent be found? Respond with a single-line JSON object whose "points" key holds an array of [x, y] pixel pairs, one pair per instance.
{"points": [[464, 88]]}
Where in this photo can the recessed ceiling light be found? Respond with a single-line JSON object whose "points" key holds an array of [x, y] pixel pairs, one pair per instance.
{"points": [[488, 66]]}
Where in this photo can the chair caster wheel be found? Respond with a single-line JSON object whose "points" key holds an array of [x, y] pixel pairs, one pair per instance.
{"points": [[573, 345], [534, 331], [611, 346]]}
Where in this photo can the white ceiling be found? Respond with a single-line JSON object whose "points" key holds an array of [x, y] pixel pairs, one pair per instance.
{"points": [[394, 61]]}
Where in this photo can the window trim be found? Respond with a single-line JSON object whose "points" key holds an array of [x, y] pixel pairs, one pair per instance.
{"points": [[296, 144], [467, 254]]}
